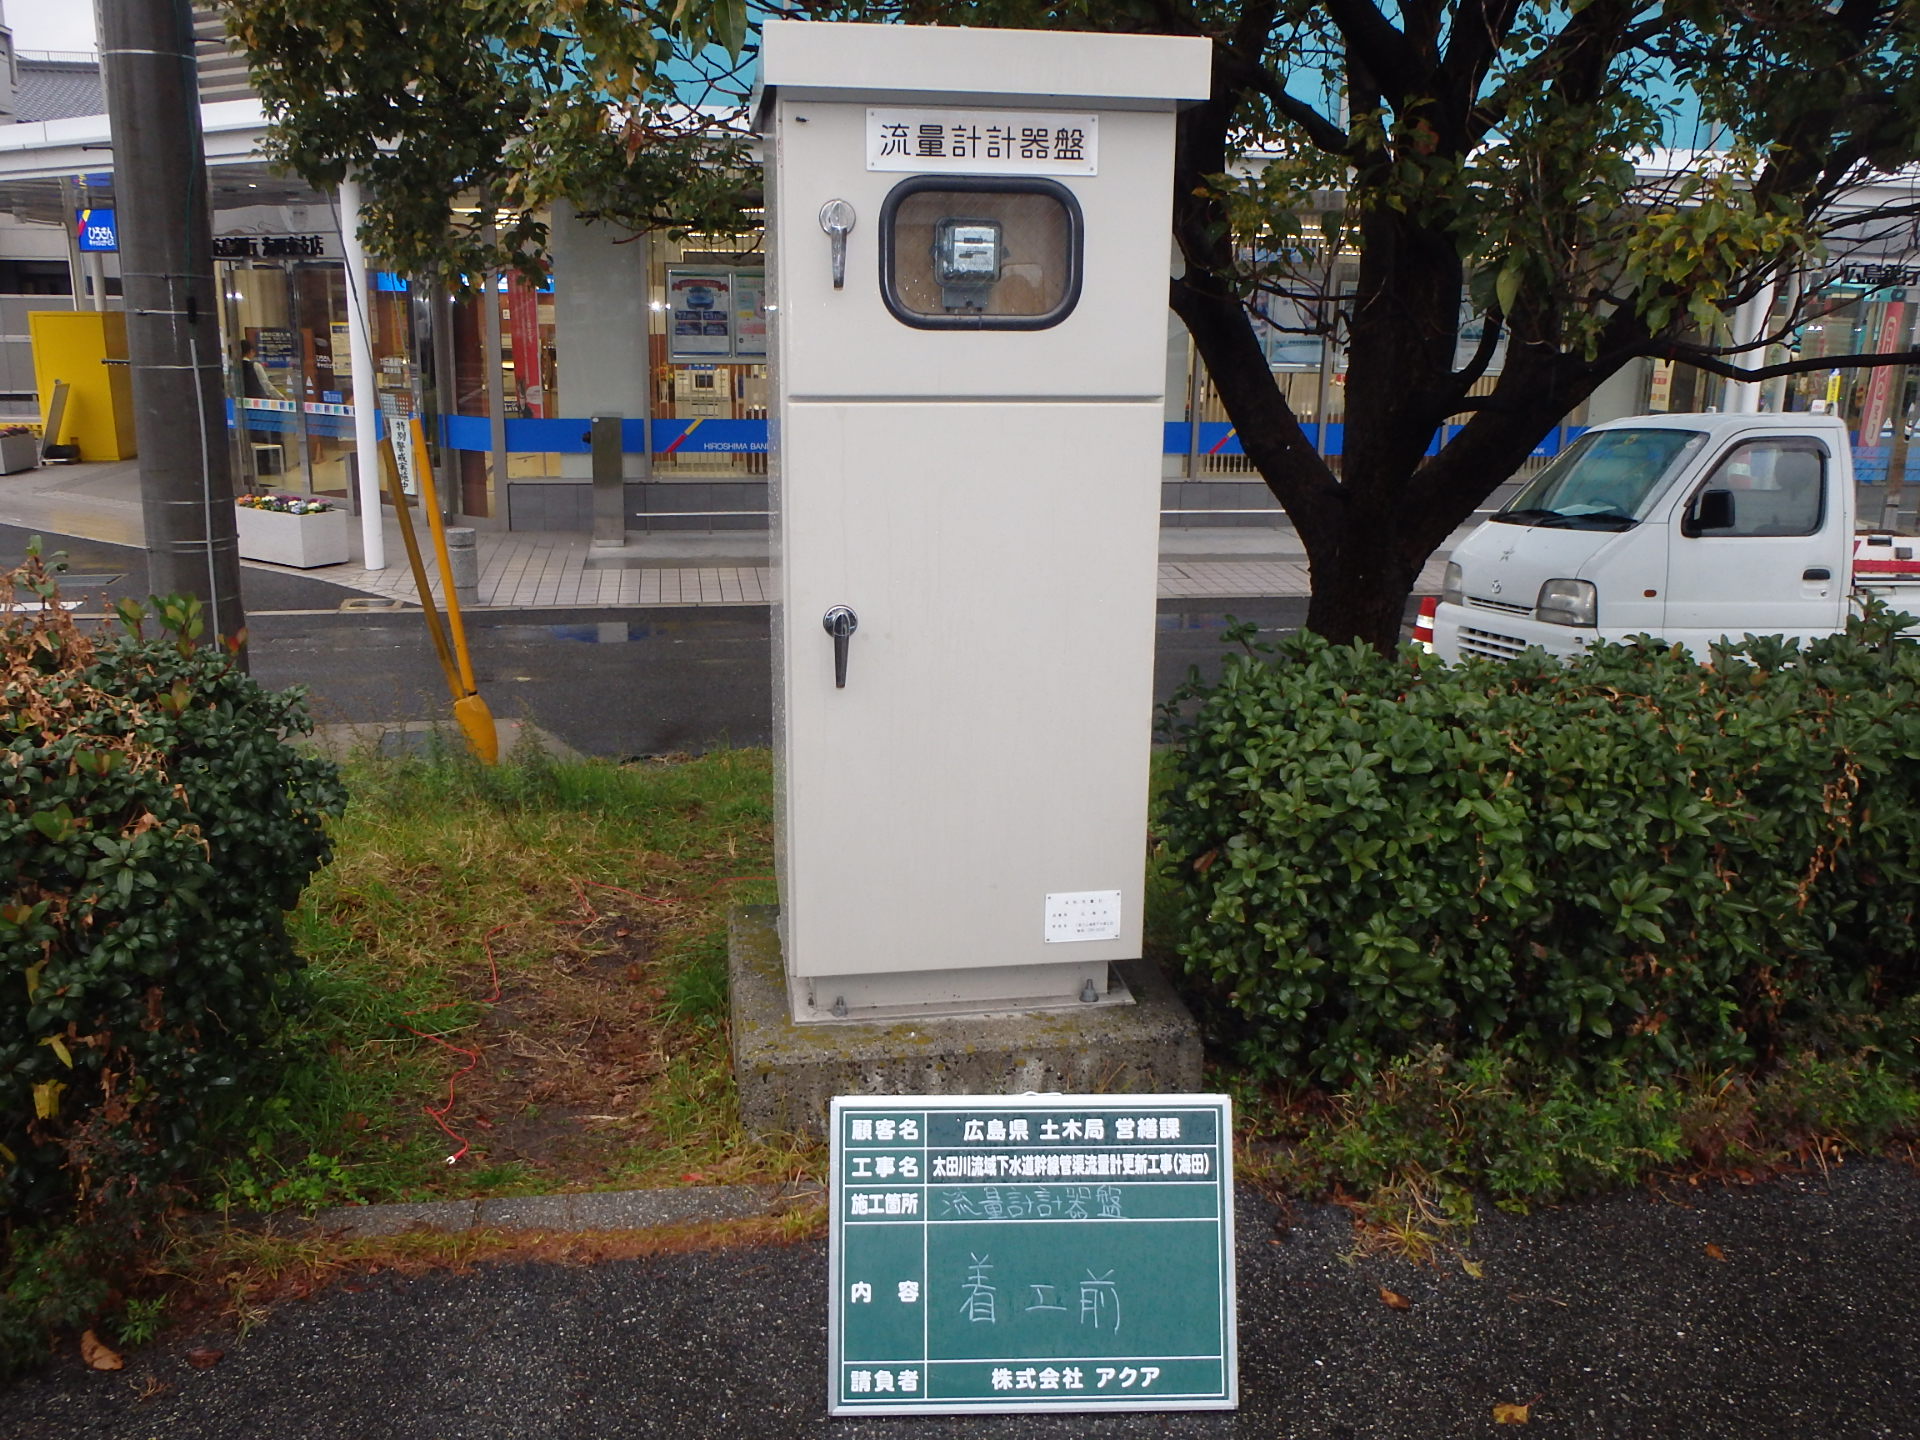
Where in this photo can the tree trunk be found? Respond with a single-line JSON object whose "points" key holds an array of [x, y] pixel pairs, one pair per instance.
{"points": [[1361, 594], [1369, 531]]}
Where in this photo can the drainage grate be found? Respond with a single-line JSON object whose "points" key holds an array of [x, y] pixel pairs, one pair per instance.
{"points": [[371, 602]]}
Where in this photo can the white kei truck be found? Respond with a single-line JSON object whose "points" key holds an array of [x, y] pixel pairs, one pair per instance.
{"points": [[1687, 527]]}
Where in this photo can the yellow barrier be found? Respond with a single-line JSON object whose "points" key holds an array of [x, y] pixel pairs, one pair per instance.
{"points": [[75, 346]]}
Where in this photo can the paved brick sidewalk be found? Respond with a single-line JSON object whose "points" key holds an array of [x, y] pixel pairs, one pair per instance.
{"points": [[531, 569]]}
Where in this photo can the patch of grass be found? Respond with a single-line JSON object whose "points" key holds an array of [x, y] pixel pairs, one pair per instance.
{"points": [[1411, 1151], [696, 992], [596, 894]]}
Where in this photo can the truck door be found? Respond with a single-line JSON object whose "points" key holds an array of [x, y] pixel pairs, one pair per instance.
{"points": [[1756, 549]]}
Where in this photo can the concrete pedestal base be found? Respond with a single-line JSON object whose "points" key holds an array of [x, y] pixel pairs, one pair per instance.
{"points": [[787, 1073]]}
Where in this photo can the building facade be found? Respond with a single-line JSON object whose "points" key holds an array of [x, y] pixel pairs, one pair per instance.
{"points": [[668, 336]]}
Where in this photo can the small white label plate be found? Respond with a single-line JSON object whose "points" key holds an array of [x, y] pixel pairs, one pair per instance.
{"points": [[1083, 915], [983, 142]]}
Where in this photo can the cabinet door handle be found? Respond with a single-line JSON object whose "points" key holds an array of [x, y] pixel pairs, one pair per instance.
{"points": [[840, 622]]}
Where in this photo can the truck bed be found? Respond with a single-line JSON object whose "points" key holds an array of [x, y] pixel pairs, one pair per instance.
{"points": [[1886, 563]]}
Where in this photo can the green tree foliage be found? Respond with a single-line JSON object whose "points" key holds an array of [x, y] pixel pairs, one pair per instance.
{"points": [[1630, 862], [465, 121], [1493, 157]]}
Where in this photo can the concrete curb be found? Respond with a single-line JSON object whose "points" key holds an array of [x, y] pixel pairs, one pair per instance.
{"points": [[569, 1214]]}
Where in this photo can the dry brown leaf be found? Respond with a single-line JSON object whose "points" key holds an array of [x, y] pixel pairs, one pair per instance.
{"points": [[205, 1357], [1510, 1414], [97, 1355], [1714, 1252], [1394, 1300]]}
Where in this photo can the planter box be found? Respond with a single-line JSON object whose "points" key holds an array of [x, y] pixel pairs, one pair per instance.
{"points": [[18, 452], [301, 541]]}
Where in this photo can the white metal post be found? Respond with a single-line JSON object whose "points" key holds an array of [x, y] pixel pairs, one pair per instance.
{"points": [[1749, 324], [366, 401]]}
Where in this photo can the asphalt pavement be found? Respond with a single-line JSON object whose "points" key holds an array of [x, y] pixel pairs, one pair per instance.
{"points": [[1784, 1311], [99, 573]]}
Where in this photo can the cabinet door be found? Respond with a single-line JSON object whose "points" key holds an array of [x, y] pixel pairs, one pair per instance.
{"points": [[990, 745]]}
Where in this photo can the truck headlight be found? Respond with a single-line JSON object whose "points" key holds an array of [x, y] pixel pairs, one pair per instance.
{"points": [[1453, 586], [1567, 602]]}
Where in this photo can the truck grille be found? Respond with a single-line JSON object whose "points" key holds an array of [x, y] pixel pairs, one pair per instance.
{"points": [[1489, 644], [1480, 602]]}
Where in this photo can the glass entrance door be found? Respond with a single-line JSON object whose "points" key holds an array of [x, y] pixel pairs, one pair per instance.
{"points": [[290, 375]]}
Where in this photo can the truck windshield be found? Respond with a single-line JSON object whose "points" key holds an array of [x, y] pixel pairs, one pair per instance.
{"points": [[1605, 480]]}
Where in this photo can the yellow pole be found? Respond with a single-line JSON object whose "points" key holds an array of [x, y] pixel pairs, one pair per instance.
{"points": [[470, 710], [434, 630]]}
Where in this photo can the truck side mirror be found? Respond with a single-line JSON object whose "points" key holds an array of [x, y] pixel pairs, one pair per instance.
{"points": [[1711, 510]]}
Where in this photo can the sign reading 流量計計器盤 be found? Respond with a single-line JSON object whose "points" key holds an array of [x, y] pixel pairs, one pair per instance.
{"points": [[1031, 1252]]}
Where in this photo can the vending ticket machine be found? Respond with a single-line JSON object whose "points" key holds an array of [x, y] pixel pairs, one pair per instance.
{"points": [[968, 235]]}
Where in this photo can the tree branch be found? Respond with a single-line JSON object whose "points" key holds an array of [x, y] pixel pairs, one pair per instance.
{"points": [[1596, 22], [1250, 75], [1479, 30], [1491, 326], [1390, 58], [1702, 359]]}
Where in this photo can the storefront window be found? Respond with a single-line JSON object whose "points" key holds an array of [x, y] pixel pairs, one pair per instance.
{"points": [[708, 348], [290, 369]]}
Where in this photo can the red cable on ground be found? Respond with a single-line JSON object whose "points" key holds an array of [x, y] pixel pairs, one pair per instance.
{"points": [[438, 1114]]}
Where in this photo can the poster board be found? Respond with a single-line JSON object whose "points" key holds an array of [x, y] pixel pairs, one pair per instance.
{"points": [[699, 313], [750, 314], [1031, 1253], [273, 347]]}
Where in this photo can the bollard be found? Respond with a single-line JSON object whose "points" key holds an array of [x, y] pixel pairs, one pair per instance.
{"points": [[609, 483], [463, 560]]}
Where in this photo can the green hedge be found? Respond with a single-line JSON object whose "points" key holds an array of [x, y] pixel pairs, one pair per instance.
{"points": [[1631, 859], [153, 827]]}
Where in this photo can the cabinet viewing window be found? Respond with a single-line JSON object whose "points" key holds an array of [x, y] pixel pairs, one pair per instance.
{"points": [[967, 253]]}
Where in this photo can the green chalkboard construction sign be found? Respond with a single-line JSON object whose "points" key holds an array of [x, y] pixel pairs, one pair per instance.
{"points": [[1031, 1252]]}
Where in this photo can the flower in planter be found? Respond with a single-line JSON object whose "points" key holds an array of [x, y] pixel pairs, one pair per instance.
{"points": [[285, 504]]}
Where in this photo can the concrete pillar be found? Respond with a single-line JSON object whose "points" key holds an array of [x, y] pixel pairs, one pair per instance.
{"points": [[1620, 394], [76, 261], [366, 400], [600, 319]]}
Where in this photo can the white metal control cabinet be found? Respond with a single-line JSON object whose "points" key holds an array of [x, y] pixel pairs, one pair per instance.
{"points": [[968, 256]]}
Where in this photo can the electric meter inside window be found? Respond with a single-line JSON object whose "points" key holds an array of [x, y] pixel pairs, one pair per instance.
{"points": [[980, 254]]}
